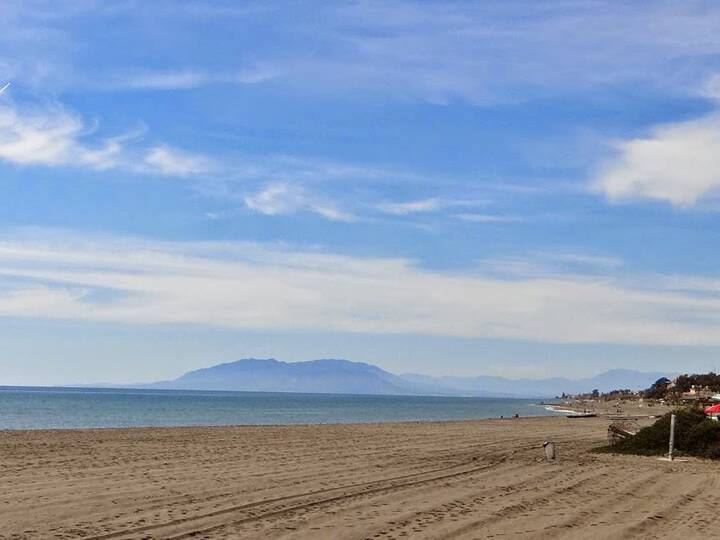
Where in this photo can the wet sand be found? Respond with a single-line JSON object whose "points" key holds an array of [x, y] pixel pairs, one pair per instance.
{"points": [[474, 479]]}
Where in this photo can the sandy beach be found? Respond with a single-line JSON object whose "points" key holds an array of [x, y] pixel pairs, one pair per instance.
{"points": [[471, 479], [612, 408]]}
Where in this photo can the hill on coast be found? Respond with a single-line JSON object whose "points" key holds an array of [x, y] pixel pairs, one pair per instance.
{"points": [[345, 377], [315, 376]]}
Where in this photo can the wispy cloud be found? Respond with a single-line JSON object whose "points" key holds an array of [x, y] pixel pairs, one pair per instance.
{"points": [[433, 204], [477, 52], [243, 285], [52, 136], [162, 80], [284, 199], [170, 161], [584, 260], [550, 264], [488, 218], [410, 207], [485, 53], [181, 79]]}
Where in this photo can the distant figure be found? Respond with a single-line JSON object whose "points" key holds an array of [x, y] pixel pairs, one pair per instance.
{"points": [[516, 415], [549, 450]]}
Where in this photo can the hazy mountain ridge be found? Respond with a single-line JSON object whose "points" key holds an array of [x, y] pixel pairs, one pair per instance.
{"points": [[346, 377], [555, 386], [314, 376]]}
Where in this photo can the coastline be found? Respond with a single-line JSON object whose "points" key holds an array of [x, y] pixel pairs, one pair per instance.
{"points": [[437, 479], [381, 423], [610, 409]]}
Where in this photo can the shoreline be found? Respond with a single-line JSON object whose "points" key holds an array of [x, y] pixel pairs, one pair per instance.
{"points": [[287, 425]]}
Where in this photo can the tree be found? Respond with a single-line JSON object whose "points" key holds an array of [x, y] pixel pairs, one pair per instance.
{"points": [[685, 382], [658, 389]]}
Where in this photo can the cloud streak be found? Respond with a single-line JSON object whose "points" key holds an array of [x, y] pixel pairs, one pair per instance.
{"points": [[477, 52], [484, 53], [182, 78], [170, 161], [487, 218], [285, 199], [424, 206], [256, 286], [273, 185], [52, 136], [410, 207]]}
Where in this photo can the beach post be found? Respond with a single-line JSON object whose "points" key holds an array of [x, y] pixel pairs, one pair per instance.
{"points": [[549, 450], [672, 437]]}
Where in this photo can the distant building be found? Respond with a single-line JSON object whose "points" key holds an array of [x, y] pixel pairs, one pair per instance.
{"points": [[698, 393]]}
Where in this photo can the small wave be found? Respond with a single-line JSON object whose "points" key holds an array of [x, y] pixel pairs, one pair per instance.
{"points": [[559, 410]]}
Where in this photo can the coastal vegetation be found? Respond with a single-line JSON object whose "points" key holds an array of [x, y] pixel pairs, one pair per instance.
{"points": [[674, 390], [695, 435]]}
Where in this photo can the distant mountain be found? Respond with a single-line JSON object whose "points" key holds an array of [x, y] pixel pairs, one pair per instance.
{"points": [[485, 385], [315, 376], [345, 377]]}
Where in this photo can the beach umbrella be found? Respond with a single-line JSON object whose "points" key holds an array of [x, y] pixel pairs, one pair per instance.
{"points": [[712, 409]]}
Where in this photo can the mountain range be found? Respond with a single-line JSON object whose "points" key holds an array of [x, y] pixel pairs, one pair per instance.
{"points": [[345, 377]]}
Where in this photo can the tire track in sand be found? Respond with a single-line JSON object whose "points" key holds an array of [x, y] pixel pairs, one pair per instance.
{"points": [[214, 520]]}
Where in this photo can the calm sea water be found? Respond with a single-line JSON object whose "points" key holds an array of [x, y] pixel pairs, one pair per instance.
{"points": [[44, 408]]}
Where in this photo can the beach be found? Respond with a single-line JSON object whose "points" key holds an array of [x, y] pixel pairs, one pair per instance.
{"points": [[611, 408], [464, 479]]}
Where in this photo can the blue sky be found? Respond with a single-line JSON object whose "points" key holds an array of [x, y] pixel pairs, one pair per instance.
{"points": [[517, 188]]}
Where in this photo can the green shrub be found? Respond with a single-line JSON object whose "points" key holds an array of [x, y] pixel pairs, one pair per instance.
{"points": [[695, 435], [703, 440]]}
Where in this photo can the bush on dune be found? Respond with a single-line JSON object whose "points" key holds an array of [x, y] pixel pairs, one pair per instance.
{"points": [[695, 435]]}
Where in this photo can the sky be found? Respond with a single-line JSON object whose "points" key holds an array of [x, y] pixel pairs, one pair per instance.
{"points": [[451, 188]]}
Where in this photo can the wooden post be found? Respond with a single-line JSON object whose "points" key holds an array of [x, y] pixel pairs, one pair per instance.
{"points": [[672, 436], [549, 450]]}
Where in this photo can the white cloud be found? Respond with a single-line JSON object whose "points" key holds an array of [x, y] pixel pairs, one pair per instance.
{"points": [[711, 89], [677, 163], [163, 80], [182, 79], [479, 52], [548, 264], [410, 207], [495, 51], [487, 218], [597, 261], [173, 162], [52, 136], [254, 74], [252, 286], [283, 199], [433, 204]]}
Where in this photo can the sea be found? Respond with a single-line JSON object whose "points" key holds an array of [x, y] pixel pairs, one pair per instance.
{"points": [[24, 408]]}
